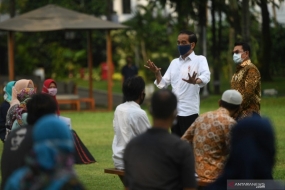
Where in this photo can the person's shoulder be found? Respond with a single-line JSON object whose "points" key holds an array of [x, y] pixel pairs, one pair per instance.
{"points": [[174, 60]]}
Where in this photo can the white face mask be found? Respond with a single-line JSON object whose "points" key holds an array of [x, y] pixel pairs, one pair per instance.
{"points": [[52, 91], [237, 58]]}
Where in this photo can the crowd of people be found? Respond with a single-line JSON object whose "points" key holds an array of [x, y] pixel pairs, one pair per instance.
{"points": [[39, 147], [179, 150], [185, 150]]}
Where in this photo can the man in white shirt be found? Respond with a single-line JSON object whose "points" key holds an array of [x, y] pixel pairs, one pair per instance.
{"points": [[186, 75], [129, 119]]}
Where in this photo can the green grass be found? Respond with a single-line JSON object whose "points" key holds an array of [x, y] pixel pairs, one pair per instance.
{"points": [[100, 85], [278, 83], [96, 131]]}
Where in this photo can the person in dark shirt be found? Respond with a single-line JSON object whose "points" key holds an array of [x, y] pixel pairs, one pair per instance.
{"points": [[128, 71], [50, 163], [4, 108], [157, 159], [19, 142], [252, 153]]}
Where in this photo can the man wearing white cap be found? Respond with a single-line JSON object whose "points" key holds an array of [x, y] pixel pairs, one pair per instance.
{"points": [[210, 136]]}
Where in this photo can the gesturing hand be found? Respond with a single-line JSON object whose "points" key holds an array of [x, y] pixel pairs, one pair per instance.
{"points": [[152, 67], [192, 79]]}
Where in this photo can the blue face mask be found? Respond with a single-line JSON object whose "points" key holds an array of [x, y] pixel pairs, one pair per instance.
{"points": [[183, 49]]}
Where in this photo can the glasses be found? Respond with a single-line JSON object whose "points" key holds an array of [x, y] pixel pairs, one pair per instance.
{"points": [[237, 52]]}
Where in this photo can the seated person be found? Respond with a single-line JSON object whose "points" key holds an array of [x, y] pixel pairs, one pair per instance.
{"points": [[157, 159], [50, 164], [252, 154], [129, 119], [4, 108], [210, 136], [19, 142], [82, 154]]}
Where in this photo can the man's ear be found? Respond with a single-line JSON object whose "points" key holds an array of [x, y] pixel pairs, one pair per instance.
{"points": [[175, 113]]}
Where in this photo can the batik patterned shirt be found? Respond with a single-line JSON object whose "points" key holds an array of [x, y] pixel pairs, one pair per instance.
{"points": [[210, 137], [246, 80]]}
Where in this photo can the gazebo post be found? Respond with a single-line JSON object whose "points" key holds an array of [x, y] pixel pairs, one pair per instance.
{"points": [[109, 63], [90, 62], [11, 55]]}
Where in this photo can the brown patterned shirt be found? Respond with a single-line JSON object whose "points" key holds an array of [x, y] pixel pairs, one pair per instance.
{"points": [[210, 136], [246, 80]]}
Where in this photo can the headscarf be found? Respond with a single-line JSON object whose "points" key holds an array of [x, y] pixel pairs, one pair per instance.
{"points": [[46, 85], [50, 164], [252, 152], [18, 92], [24, 96], [8, 91], [19, 85]]}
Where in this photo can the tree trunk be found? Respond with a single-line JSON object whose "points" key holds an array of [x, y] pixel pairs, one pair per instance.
{"points": [[266, 43], [202, 24], [214, 49], [234, 18], [245, 21]]}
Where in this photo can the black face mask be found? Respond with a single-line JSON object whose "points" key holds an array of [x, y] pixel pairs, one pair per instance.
{"points": [[183, 49], [142, 98]]}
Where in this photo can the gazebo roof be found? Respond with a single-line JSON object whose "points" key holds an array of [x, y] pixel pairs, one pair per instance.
{"points": [[52, 17]]}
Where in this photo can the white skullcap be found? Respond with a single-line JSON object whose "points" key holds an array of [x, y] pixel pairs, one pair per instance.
{"points": [[232, 97]]}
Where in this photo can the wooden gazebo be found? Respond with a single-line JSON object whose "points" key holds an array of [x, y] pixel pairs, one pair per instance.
{"points": [[52, 18]]}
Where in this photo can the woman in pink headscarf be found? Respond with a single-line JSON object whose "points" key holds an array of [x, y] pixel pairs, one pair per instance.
{"points": [[21, 93]]}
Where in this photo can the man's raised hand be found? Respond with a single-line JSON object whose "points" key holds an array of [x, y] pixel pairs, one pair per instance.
{"points": [[152, 67]]}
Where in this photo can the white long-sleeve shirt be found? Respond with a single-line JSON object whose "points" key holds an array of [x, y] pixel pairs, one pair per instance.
{"points": [[129, 121], [187, 94]]}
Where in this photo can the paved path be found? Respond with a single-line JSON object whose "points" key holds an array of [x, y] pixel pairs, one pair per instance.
{"points": [[100, 97]]}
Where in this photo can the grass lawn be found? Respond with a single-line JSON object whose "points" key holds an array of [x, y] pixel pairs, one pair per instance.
{"points": [[96, 131]]}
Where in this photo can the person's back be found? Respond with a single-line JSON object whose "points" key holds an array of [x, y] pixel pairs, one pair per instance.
{"points": [[50, 166], [129, 119], [4, 107], [19, 142], [251, 156], [157, 159], [210, 136]]}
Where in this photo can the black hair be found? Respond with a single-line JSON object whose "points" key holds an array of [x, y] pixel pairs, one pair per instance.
{"points": [[163, 104], [228, 106], [192, 36], [245, 46], [133, 88], [40, 105]]}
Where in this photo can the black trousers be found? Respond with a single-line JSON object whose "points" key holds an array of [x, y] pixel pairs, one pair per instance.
{"points": [[183, 123]]}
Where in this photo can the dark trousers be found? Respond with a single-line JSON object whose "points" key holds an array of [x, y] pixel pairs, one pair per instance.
{"points": [[183, 123]]}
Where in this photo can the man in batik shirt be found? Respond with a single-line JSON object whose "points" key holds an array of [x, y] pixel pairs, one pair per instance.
{"points": [[210, 136], [246, 80]]}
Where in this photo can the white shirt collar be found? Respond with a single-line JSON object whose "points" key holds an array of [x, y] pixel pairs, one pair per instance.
{"points": [[191, 56]]}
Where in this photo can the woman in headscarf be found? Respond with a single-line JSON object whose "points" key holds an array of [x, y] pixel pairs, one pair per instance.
{"points": [[50, 165], [4, 108], [50, 87], [252, 153], [82, 154], [21, 93]]}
